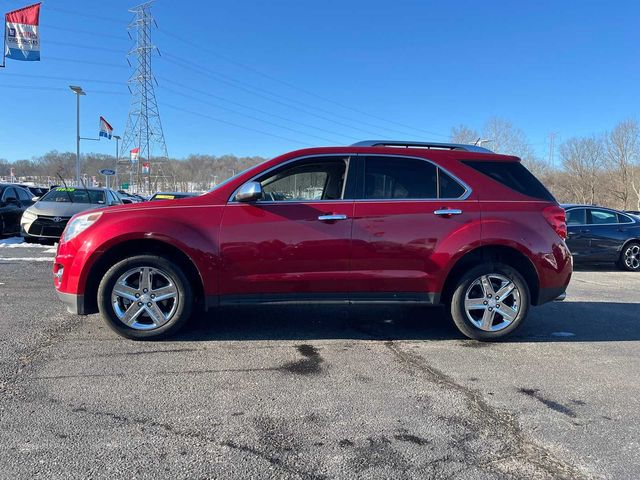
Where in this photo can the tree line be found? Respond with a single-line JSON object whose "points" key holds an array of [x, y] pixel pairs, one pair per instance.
{"points": [[601, 169]]}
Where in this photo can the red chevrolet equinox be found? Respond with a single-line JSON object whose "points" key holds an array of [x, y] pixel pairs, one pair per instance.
{"points": [[376, 222]]}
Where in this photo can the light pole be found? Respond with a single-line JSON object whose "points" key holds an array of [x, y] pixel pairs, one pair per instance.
{"points": [[117, 137], [78, 91]]}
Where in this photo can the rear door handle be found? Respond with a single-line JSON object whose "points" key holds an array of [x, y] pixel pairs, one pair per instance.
{"points": [[332, 217], [447, 212]]}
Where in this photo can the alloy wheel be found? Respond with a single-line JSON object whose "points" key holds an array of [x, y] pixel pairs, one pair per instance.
{"points": [[632, 257], [145, 298], [492, 302]]}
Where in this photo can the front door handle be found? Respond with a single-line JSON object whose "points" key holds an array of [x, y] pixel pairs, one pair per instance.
{"points": [[447, 212], [332, 217]]}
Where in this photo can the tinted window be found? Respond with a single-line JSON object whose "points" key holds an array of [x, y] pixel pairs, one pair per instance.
{"points": [[449, 188], [602, 217], [624, 219], [24, 195], [576, 216], [395, 177], [306, 180], [9, 192], [515, 176]]}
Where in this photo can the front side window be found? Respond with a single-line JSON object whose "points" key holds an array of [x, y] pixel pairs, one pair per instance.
{"points": [[576, 216], [8, 193], [602, 217], [306, 180], [407, 178]]}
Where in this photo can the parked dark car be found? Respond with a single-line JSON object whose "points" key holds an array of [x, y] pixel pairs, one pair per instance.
{"points": [[433, 224], [602, 235], [13, 202]]}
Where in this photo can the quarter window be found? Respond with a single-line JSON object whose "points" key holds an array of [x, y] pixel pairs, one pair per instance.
{"points": [[306, 180], [624, 219], [602, 217], [407, 178], [24, 195]]}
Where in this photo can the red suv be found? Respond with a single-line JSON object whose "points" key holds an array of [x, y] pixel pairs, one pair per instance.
{"points": [[376, 222]]}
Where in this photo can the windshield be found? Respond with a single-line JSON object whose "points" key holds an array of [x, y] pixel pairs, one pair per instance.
{"points": [[74, 195]]}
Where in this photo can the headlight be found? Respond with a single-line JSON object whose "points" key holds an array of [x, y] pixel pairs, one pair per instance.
{"points": [[29, 216], [79, 224]]}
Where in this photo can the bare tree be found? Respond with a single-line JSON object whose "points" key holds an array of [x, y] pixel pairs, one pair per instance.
{"points": [[584, 162], [622, 149], [464, 134]]}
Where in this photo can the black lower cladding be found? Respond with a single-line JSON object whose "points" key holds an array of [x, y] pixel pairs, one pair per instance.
{"points": [[45, 226]]}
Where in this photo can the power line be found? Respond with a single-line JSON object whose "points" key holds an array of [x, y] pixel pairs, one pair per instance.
{"points": [[264, 112], [295, 87], [60, 89], [203, 115], [175, 92], [66, 79]]}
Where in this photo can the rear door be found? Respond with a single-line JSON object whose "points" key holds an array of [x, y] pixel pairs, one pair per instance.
{"points": [[410, 217], [295, 243], [11, 212], [578, 239], [606, 234]]}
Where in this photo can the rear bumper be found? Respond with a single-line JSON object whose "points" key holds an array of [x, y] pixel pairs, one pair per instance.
{"points": [[550, 294], [73, 302]]}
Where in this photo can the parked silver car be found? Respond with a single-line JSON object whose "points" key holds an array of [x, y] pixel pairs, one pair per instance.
{"points": [[48, 217]]}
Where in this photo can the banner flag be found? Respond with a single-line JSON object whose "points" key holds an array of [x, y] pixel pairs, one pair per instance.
{"points": [[22, 36], [105, 129], [146, 168], [135, 153]]}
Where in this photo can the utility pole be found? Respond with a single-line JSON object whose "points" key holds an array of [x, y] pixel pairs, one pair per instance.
{"points": [[116, 180], [144, 128], [552, 141], [78, 91]]}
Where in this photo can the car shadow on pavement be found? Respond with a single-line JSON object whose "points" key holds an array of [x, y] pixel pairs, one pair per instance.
{"points": [[554, 322]]}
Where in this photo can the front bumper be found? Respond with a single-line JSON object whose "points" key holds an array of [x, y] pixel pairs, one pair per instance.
{"points": [[73, 302]]}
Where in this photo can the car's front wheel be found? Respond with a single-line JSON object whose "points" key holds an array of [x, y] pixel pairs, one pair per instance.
{"points": [[490, 301], [145, 297], [630, 257]]}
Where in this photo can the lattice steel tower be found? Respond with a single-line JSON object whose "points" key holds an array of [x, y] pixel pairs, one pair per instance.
{"points": [[144, 128]]}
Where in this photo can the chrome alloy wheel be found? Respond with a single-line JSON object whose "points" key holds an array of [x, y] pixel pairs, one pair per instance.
{"points": [[492, 302], [145, 298], [632, 257]]}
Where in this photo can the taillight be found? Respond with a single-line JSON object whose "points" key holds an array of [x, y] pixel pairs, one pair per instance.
{"points": [[557, 218]]}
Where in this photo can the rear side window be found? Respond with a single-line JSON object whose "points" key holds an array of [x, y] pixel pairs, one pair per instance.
{"points": [[513, 175], [576, 216], [407, 178], [602, 217], [624, 219]]}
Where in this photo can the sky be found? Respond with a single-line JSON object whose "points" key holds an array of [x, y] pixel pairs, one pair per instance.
{"points": [[263, 78]]}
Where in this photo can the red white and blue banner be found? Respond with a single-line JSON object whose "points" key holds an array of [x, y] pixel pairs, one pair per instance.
{"points": [[105, 129], [146, 168], [135, 153], [22, 36]]}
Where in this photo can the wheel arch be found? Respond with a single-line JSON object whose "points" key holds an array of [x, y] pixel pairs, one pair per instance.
{"points": [[134, 247], [498, 254]]}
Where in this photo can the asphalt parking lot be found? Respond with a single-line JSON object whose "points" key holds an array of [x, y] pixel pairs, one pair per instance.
{"points": [[315, 393]]}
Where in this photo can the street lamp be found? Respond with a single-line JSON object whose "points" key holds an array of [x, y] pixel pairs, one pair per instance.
{"points": [[117, 137], [78, 91]]}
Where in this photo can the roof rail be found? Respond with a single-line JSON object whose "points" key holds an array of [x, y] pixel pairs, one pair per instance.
{"points": [[428, 145]]}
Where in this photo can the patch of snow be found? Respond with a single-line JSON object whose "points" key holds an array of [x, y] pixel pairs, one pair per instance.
{"points": [[27, 259]]}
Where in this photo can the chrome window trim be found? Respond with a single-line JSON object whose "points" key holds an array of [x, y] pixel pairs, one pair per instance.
{"points": [[600, 224], [467, 193], [348, 157], [467, 189]]}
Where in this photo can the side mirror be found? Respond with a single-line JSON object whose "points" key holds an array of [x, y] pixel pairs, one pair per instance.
{"points": [[35, 199], [249, 192]]}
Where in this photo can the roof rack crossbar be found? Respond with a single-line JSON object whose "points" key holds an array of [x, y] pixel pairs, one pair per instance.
{"points": [[434, 145]]}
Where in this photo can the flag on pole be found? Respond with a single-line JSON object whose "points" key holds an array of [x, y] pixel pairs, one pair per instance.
{"points": [[146, 168], [135, 153], [22, 36], [105, 129]]}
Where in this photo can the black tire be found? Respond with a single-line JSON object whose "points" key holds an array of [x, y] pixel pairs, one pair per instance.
{"points": [[467, 281], [628, 249], [181, 312]]}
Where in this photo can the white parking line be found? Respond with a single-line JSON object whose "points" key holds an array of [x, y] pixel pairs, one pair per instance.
{"points": [[27, 259]]}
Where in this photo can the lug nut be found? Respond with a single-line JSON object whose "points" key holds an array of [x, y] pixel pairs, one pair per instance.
{"points": [[139, 304], [497, 305], [137, 295], [153, 295], [485, 302], [490, 309], [149, 304], [489, 296], [145, 290]]}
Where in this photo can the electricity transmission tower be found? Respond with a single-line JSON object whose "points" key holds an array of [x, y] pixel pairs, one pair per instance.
{"points": [[144, 128]]}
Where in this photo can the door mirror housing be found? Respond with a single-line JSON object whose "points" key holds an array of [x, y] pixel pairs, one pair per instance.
{"points": [[11, 200], [249, 192]]}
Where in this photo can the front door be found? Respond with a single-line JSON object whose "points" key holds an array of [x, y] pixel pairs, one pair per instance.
{"points": [[295, 243], [412, 216]]}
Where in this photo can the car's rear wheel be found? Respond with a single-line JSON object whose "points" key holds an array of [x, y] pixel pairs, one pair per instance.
{"points": [[145, 297], [490, 301], [630, 257]]}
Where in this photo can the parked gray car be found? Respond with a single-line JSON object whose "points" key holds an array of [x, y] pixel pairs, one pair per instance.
{"points": [[48, 217]]}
